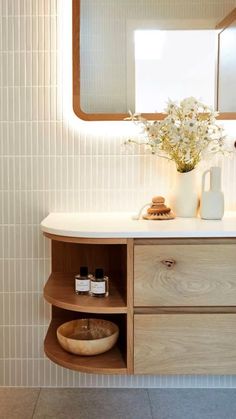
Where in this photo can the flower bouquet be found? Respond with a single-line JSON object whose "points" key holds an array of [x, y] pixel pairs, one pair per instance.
{"points": [[187, 134]]}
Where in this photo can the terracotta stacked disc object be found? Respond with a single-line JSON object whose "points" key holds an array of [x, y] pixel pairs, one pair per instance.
{"points": [[158, 210]]}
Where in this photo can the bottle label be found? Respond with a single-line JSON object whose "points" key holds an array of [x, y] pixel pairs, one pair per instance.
{"points": [[82, 285], [98, 287]]}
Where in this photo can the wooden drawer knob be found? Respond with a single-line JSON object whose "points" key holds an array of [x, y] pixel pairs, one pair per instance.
{"points": [[169, 263]]}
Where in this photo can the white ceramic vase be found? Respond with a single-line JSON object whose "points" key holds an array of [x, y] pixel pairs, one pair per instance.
{"points": [[212, 201], [184, 198]]}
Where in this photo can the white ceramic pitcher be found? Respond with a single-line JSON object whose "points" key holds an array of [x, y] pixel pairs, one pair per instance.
{"points": [[212, 201]]}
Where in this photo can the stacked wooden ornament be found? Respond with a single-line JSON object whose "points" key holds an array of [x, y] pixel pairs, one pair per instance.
{"points": [[158, 210]]}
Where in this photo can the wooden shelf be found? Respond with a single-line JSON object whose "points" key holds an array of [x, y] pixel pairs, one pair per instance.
{"points": [[110, 362], [59, 291], [116, 258]]}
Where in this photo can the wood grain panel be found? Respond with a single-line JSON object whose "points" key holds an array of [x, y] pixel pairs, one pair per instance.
{"points": [[202, 275], [230, 18], [84, 240], [185, 344], [130, 306], [68, 257], [182, 309], [60, 291], [184, 240]]}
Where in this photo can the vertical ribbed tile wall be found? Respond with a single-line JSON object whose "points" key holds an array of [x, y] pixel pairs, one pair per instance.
{"points": [[49, 164]]}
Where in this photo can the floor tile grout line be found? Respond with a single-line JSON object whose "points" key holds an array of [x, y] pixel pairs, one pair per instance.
{"points": [[36, 402], [150, 403]]}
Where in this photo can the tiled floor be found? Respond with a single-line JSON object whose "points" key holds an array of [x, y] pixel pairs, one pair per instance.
{"points": [[117, 403]]}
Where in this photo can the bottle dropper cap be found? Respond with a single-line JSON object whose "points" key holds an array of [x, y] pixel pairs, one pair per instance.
{"points": [[83, 271], [99, 273]]}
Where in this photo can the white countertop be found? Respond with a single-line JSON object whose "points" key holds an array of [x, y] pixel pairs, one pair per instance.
{"points": [[121, 224]]}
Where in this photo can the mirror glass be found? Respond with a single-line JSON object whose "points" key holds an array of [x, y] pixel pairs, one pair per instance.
{"points": [[135, 54], [173, 64]]}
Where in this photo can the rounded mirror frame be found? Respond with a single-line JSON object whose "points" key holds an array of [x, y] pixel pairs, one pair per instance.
{"points": [[76, 75]]}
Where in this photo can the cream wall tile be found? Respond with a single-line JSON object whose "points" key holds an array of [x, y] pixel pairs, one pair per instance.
{"points": [[52, 104], [46, 96], [35, 103], [24, 207], [22, 32], [44, 137], [4, 104], [47, 33], [35, 31], [28, 104], [59, 95], [22, 105], [21, 241], [24, 275], [4, 68], [16, 32], [53, 7], [10, 104], [6, 138], [41, 33], [29, 32], [53, 30], [41, 10], [39, 63], [22, 342], [10, 33], [42, 103], [10, 69], [28, 7], [18, 67], [22, 7], [51, 64], [17, 100], [27, 67], [2, 7], [47, 8], [4, 34], [12, 7], [35, 7], [8, 213], [24, 309]]}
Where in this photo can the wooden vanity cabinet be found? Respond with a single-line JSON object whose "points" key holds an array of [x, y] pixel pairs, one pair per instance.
{"points": [[174, 301], [185, 306]]}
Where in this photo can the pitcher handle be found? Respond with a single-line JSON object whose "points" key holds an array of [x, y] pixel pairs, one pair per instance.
{"points": [[204, 178]]}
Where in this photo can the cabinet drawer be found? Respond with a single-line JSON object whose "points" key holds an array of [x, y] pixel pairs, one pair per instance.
{"points": [[200, 275], [185, 344]]}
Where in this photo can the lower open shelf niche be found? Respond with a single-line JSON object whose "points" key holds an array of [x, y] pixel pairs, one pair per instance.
{"points": [[110, 362]]}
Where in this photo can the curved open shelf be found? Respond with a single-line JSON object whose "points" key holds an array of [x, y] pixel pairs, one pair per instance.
{"points": [[115, 256], [59, 291], [110, 362]]}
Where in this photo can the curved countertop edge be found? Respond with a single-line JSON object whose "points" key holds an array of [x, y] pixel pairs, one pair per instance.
{"points": [[121, 225]]}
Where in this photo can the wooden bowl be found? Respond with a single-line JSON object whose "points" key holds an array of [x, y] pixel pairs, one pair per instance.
{"points": [[87, 336]]}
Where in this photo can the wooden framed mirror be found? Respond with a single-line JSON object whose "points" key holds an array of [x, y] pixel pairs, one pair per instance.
{"points": [[107, 63]]}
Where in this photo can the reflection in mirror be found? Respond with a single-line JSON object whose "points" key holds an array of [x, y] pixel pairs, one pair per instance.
{"points": [[227, 69], [108, 67], [173, 64]]}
